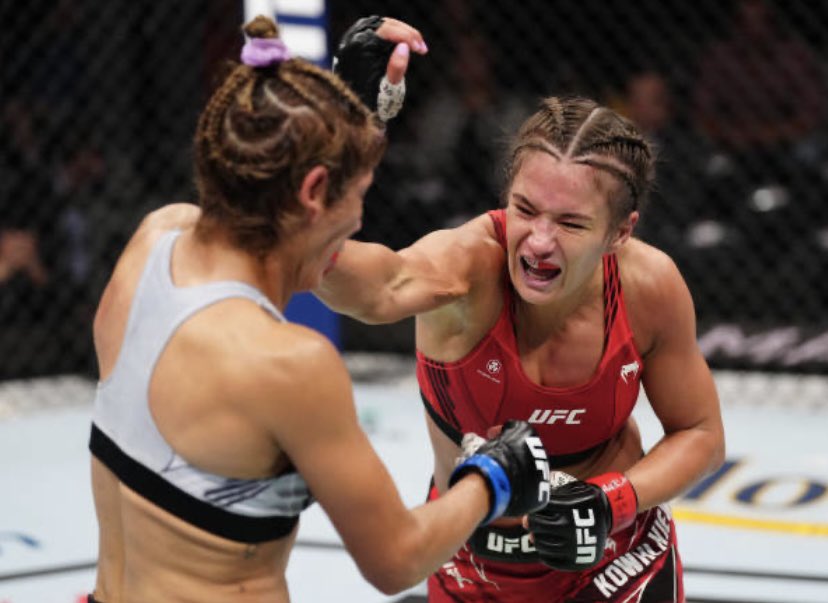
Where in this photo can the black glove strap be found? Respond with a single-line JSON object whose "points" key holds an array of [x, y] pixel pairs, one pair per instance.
{"points": [[506, 544]]}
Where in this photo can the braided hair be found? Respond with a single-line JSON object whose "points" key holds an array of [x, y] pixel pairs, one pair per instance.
{"points": [[263, 129], [582, 131]]}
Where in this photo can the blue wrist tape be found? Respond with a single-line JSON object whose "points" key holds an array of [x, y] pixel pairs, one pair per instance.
{"points": [[499, 486]]}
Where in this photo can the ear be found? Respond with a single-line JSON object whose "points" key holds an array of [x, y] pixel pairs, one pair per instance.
{"points": [[623, 232], [314, 191]]}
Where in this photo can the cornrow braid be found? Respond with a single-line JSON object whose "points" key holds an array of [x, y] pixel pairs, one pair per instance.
{"points": [[620, 173], [622, 140], [210, 122], [580, 130], [261, 132], [346, 95]]}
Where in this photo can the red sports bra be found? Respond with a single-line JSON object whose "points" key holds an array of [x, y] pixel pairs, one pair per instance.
{"points": [[489, 387]]}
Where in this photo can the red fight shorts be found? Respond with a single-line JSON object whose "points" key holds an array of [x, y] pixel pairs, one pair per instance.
{"points": [[641, 565]]}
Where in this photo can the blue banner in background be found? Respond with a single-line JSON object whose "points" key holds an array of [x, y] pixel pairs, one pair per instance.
{"points": [[303, 26], [306, 309]]}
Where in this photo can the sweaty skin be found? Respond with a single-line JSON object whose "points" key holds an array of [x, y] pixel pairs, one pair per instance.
{"points": [[557, 212], [219, 412]]}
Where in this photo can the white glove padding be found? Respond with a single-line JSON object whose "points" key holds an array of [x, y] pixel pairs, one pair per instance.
{"points": [[468, 446], [559, 478]]}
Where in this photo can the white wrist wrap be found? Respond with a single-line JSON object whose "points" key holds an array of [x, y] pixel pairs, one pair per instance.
{"points": [[390, 98]]}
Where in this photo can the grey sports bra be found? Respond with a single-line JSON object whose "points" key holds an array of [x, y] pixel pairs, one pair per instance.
{"points": [[125, 438]]}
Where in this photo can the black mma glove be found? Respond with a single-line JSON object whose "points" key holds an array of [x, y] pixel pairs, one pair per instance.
{"points": [[571, 531], [361, 61], [515, 468]]}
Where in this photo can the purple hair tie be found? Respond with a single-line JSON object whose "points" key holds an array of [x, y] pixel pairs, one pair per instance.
{"points": [[263, 52]]}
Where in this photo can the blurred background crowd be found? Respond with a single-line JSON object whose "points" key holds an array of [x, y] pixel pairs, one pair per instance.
{"points": [[98, 102]]}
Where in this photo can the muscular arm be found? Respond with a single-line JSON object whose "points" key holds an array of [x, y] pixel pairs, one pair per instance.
{"points": [[375, 284], [681, 391], [316, 425]]}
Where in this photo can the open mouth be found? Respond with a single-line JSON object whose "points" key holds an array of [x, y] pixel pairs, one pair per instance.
{"points": [[539, 270]]}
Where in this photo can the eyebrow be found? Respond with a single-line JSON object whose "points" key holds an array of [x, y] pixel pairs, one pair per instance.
{"points": [[566, 215]]}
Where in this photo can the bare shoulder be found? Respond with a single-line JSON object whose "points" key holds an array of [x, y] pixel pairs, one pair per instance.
{"points": [[479, 232], [277, 384], [655, 293], [465, 250], [281, 362], [169, 217], [646, 269], [280, 356], [174, 215]]}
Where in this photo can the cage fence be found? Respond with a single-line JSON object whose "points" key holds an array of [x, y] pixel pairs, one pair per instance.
{"points": [[99, 102]]}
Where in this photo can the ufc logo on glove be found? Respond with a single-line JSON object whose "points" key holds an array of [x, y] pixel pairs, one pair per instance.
{"points": [[536, 448], [587, 549]]}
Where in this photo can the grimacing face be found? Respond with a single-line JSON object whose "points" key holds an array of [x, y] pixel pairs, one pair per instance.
{"points": [[557, 227]]}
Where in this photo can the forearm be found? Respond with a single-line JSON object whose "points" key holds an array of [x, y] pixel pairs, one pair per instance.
{"points": [[675, 463], [441, 527], [507, 475], [359, 281], [430, 536]]}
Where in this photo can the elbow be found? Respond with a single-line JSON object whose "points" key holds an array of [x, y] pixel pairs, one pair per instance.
{"points": [[389, 585], [363, 311], [395, 575], [404, 563], [384, 309], [716, 449], [719, 453]]}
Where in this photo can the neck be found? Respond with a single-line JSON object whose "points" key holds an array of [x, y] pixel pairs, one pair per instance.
{"points": [[276, 274]]}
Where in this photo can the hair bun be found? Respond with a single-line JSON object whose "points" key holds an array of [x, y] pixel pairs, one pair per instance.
{"points": [[263, 47], [261, 27]]}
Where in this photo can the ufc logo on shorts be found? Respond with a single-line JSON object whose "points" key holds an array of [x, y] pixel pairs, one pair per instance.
{"points": [[541, 464], [500, 544], [550, 417], [587, 551]]}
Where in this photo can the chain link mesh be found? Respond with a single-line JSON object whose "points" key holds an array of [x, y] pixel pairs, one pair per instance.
{"points": [[99, 102], [733, 96]]}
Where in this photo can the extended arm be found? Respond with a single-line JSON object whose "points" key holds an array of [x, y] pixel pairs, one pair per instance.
{"points": [[375, 284], [394, 547]]}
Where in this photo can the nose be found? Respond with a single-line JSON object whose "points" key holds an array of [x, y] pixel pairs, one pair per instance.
{"points": [[543, 238]]}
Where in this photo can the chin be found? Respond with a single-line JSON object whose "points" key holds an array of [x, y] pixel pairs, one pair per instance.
{"points": [[536, 297]]}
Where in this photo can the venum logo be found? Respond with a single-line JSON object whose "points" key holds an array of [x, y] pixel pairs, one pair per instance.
{"points": [[629, 369], [548, 416]]}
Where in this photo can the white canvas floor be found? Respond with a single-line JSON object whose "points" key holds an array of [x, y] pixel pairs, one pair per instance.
{"points": [[758, 534]]}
